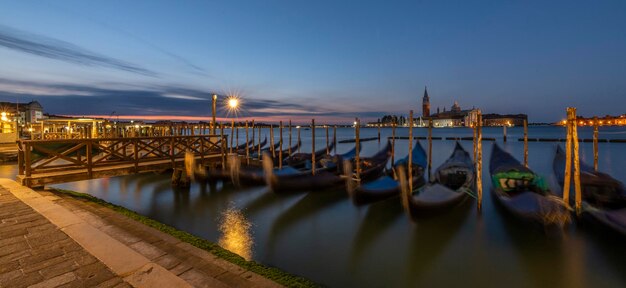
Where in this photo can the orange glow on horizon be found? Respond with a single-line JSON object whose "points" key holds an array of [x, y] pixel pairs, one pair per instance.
{"points": [[296, 119]]}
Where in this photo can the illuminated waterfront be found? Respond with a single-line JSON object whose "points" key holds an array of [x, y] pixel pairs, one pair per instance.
{"points": [[322, 236]]}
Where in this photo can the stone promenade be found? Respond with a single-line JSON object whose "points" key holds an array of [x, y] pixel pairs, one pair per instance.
{"points": [[49, 240]]}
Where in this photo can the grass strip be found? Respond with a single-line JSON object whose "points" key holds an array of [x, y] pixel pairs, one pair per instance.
{"points": [[271, 273]]}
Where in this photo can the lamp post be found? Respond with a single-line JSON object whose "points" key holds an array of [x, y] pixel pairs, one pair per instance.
{"points": [[213, 131]]}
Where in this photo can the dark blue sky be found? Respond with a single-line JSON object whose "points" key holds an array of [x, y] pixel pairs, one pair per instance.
{"points": [[329, 60]]}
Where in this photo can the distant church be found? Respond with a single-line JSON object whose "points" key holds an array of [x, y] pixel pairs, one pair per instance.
{"points": [[425, 104], [457, 117]]}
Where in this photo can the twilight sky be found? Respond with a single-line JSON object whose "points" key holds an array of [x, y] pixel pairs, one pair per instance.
{"points": [[329, 60]]}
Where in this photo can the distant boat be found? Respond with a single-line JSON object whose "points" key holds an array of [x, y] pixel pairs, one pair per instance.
{"points": [[522, 192], [604, 197], [453, 183]]}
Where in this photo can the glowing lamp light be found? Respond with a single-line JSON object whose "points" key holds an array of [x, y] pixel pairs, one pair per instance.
{"points": [[4, 116], [233, 103]]}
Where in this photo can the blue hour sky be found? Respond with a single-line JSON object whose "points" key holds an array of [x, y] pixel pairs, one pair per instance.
{"points": [[329, 60]]}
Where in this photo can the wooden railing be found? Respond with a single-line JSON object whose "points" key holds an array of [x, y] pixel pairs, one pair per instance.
{"points": [[54, 156]]}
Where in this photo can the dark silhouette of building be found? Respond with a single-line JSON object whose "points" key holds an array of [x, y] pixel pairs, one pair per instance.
{"points": [[425, 104]]}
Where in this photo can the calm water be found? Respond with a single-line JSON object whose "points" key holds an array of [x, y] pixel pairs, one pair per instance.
{"points": [[323, 237]]}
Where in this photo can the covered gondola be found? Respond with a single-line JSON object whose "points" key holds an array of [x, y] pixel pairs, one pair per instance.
{"points": [[327, 174], [453, 182], [604, 197], [388, 185], [523, 193]]}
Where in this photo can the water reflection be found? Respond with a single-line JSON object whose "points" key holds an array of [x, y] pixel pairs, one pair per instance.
{"points": [[236, 233], [429, 240]]}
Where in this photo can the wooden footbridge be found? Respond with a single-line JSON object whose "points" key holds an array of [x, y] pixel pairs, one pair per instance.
{"points": [[42, 162]]}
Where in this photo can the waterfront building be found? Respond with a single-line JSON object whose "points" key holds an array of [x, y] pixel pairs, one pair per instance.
{"points": [[607, 120], [493, 119], [22, 113]]}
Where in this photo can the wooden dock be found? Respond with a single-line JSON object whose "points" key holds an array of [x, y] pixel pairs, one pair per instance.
{"points": [[42, 162]]}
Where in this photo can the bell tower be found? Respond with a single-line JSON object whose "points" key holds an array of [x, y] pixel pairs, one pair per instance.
{"points": [[425, 104]]}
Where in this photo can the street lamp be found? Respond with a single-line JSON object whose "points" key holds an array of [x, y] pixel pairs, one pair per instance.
{"points": [[213, 131]]}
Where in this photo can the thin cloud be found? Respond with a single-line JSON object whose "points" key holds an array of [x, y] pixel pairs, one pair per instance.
{"points": [[64, 51]]}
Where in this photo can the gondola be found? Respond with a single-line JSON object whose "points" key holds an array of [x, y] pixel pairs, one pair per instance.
{"points": [[248, 175], [328, 175], [604, 197], [300, 160], [522, 192], [453, 183], [388, 186], [253, 175], [241, 149]]}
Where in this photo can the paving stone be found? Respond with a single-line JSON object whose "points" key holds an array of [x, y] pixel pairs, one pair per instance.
{"points": [[42, 264], [41, 256], [59, 268], [234, 280], [147, 250], [56, 281], [212, 270], [13, 248], [199, 279], [94, 274], [110, 283], [43, 228], [9, 266], [11, 240], [5, 277], [15, 256], [12, 233], [167, 261], [45, 238], [180, 268], [23, 281], [120, 235], [81, 257]]}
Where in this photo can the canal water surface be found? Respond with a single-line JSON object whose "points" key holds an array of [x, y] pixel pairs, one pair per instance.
{"points": [[324, 237]]}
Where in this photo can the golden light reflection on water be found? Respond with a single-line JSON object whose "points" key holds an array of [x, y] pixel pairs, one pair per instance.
{"points": [[236, 235]]}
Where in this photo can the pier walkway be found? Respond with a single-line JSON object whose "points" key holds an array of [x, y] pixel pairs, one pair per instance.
{"points": [[51, 240], [42, 162]]}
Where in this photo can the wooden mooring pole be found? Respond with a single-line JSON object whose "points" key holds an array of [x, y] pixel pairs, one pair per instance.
{"points": [[335, 138], [247, 152], [504, 133], [474, 131], [272, 148], [430, 145], [232, 135], [595, 144], [327, 141], [312, 146], [357, 125], [410, 161], [299, 139], [393, 143], [280, 151], [379, 124], [290, 137], [568, 158], [572, 140], [259, 143], [223, 146], [479, 162], [577, 187], [525, 143]]}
